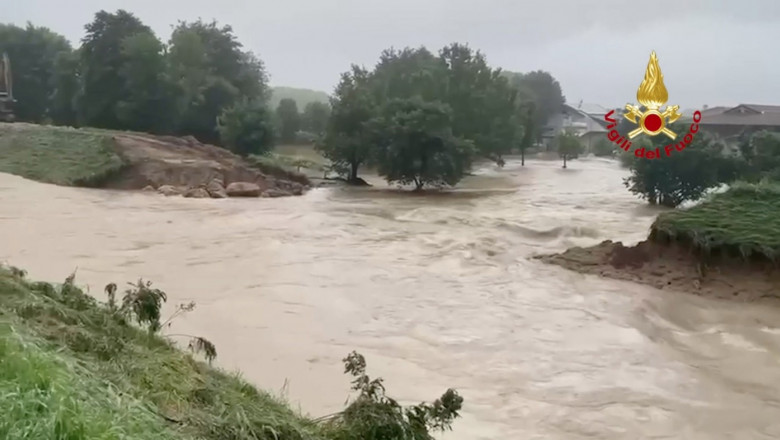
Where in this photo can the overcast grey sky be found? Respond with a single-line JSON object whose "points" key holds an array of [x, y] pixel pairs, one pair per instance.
{"points": [[714, 52]]}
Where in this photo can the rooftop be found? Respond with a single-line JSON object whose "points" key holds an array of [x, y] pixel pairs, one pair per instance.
{"points": [[743, 114]]}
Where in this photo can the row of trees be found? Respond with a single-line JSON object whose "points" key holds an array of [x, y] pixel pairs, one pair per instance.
{"points": [[123, 77], [421, 118], [704, 164]]}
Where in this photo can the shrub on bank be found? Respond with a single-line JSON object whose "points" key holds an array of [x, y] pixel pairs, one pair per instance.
{"points": [[73, 367], [743, 221]]}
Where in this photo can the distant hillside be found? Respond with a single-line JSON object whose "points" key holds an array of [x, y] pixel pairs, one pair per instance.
{"points": [[301, 96]]}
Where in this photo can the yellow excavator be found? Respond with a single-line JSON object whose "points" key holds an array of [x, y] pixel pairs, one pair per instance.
{"points": [[6, 91]]}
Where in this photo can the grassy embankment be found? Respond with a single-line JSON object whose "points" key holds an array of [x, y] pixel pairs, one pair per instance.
{"points": [[742, 222], [58, 155], [74, 368]]}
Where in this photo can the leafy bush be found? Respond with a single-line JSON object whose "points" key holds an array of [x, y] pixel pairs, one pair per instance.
{"points": [[684, 175], [247, 128], [374, 416]]}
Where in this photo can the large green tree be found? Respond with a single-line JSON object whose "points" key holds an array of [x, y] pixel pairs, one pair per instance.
{"points": [[212, 73], [484, 105], [545, 92], [485, 110], [409, 73], [347, 139], [35, 54], [415, 144], [150, 104], [103, 63]]}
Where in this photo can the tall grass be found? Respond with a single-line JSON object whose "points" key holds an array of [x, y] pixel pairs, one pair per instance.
{"points": [[46, 394], [75, 368], [743, 221]]}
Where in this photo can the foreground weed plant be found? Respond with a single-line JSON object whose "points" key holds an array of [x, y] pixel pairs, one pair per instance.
{"points": [[74, 368]]}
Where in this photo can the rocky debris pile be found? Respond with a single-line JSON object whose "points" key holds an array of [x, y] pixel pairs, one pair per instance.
{"points": [[183, 166], [216, 189]]}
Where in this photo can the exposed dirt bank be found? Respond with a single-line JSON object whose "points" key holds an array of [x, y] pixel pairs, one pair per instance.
{"points": [[672, 266], [186, 164]]}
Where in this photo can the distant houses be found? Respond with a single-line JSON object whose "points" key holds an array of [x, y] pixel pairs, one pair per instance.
{"points": [[585, 120], [731, 124], [735, 123]]}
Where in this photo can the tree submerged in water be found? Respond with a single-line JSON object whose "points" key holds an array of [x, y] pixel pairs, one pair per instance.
{"points": [[569, 146], [415, 145]]}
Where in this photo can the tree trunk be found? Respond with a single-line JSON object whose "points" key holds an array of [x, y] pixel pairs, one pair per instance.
{"points": [[564, 161], [353, 172], [522, 157]]}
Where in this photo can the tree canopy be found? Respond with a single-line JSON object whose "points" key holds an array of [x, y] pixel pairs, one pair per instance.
{"points": [[123, 77], [37, 56], [487, 115]]}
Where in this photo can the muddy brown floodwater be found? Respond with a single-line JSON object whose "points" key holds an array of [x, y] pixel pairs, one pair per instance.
{"points": [[436, 291]]}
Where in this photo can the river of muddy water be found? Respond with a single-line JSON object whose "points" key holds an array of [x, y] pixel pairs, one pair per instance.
{"points": [[436, 291]]}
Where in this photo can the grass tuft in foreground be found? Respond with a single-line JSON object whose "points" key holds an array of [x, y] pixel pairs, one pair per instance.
{"points": [[743, 221], [76, 368], [58, 155]]}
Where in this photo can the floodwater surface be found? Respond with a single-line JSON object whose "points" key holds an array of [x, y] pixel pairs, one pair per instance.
{"points": [[436, 291]]}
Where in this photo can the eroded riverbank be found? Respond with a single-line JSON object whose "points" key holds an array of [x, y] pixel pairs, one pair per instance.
{"points": [[675, 268], [436, 291]]}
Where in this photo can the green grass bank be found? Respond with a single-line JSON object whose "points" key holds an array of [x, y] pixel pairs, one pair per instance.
{"points": [[58, 155], [743, 221], [72, 367]]}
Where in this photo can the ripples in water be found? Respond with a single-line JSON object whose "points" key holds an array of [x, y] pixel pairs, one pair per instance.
{"points": [[437, 290]]}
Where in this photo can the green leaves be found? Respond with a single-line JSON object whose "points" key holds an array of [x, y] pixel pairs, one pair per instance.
{"points": [[543, 90], [143, 303], [375, 416], [415, 144], [422, 118], [682, 176], [34, 53], [123, 77], [354, 104], [246, 128]]}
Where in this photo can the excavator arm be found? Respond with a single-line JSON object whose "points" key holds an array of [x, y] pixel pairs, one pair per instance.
{"points": [[6, 90]]}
